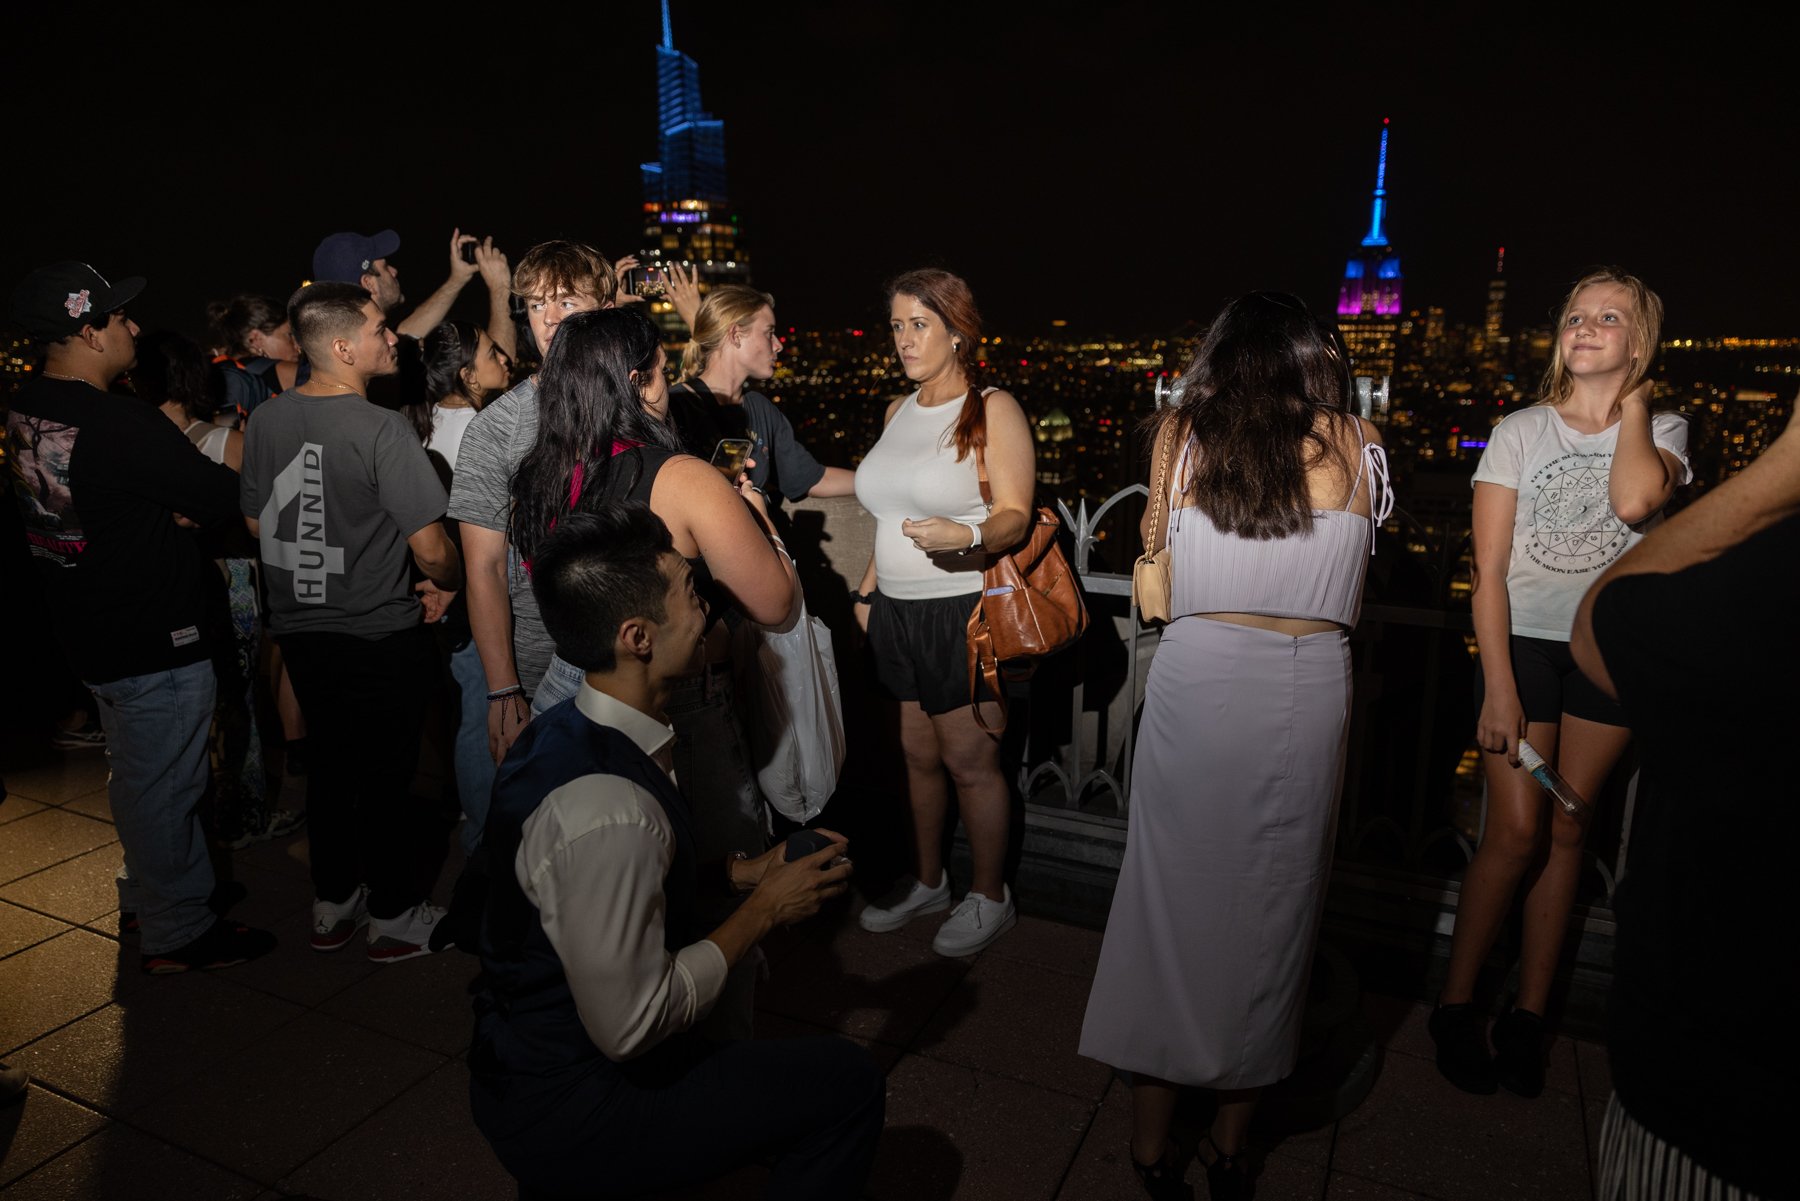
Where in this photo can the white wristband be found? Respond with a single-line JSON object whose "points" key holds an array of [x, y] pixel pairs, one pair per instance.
{"points": [[974, 532]]}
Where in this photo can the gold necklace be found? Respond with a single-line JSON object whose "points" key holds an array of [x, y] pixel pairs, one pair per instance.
{"points": [[73, 379]]}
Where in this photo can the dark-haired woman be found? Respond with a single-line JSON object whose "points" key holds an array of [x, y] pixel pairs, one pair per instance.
{"points": [[1275, 492], [922, 483], [604, 436], [172, 372], [464, 368]]}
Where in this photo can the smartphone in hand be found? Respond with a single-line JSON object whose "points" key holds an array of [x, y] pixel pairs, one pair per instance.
{"points": [[729, 456], [802, 843]]}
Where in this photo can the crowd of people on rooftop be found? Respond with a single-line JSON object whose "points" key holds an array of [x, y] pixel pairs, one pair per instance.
{"points": [[284, 547]]}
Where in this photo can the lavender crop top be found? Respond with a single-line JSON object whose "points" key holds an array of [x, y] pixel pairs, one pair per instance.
{"points": [[1315, 576]]}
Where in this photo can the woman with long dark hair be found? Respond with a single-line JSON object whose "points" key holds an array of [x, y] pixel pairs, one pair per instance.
{"points": [[922, 482], [1275, 492], [604, 437], [463, 369], [1564, 488]]}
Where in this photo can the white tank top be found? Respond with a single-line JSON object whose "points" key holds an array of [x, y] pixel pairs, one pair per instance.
{"points": [[210, 440], [912, 472]]}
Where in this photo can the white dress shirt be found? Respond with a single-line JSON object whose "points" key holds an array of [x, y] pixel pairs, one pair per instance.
{"points": [[592, 858]]}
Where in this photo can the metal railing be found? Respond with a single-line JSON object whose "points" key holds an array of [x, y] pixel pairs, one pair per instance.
{"points": [[1414, 798]]}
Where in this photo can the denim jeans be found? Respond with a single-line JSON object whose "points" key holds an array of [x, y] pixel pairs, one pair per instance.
{"points": [[561, 681], [156, 729], [474, 766]]}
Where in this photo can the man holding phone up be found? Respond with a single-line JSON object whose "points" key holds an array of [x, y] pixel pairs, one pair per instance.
{"points": [[586, 1074], [360, 259]]}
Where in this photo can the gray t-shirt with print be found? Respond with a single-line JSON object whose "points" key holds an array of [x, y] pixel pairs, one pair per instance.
{"points": [[337, 486], [493, 446]]}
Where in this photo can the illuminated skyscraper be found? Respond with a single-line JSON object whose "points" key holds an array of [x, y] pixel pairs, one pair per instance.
{"points": [[1369, 296], [1493, 331], [686, 208], [691, 140]]}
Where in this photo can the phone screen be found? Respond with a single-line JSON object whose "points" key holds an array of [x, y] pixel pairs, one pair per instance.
{"points": [[729, 456]]}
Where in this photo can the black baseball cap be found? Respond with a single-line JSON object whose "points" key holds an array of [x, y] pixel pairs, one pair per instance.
{"points": [[347, 257], [56, 301]]}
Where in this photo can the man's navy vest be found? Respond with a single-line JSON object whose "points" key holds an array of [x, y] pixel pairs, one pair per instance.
{"points": [[526, 1023]]}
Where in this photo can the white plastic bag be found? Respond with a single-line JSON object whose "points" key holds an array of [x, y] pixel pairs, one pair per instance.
{"points": [[792, 713]]}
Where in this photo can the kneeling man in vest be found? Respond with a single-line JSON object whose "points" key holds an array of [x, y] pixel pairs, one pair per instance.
{"points": [[587, 1077]]}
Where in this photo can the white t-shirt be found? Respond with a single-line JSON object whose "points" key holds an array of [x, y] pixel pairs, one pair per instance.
{"points": [[447, 426], [1565, 532]]}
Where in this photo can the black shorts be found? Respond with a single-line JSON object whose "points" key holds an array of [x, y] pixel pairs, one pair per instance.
{"points": [[921, 650], [1550, 685]]}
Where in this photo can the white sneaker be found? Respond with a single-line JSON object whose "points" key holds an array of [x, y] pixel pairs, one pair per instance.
{"points": [[903, 902], [336, 924], [407, 936], [976, 923]]}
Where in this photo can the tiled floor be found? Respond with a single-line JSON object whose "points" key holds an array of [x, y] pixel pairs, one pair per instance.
{"points": [[330, 1077]]}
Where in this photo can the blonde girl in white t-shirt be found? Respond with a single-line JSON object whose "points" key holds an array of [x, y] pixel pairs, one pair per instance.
{"points": [[1563, 489]]}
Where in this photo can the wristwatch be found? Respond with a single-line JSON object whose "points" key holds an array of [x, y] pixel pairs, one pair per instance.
{"points": [[861, 598]]}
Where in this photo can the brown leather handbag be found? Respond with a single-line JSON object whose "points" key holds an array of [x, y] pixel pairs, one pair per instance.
{"points": [[1030, 606]]}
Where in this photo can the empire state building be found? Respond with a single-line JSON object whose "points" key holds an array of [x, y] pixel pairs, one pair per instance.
{"points": [[1368, 309]]}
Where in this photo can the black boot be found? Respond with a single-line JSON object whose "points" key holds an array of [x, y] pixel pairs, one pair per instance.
{"points": [[1228, 1176], [1462, 1053], [1519, 1052], [1163, 1180]]}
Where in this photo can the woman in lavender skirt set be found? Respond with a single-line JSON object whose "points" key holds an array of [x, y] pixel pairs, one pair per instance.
{"points": [[1275, 495]]}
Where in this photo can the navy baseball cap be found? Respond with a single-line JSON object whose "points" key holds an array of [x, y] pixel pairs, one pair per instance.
{"points": [[347, 257], [56, 301]]}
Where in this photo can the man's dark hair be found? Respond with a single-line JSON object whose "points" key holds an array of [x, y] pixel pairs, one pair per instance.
{"points": [[324, 311], [594, 571]]}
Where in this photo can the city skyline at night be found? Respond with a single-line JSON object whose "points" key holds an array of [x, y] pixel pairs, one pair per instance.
{"points": [[1122, 168]]}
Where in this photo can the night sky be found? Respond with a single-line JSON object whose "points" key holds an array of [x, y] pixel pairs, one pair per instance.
{"points": [[1124, 167]]}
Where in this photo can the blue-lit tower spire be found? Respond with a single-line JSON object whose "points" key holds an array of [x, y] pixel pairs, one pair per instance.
{"points": [[687, 217], [690, 140], [1371, 284]]}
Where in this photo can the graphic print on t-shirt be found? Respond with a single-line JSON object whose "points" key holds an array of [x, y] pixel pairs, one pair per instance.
{"points": [[41, 452], [1573, 528], [307, 554]]}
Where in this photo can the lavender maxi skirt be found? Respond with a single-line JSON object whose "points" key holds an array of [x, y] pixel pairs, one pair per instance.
{"points": [[1234, 795]]}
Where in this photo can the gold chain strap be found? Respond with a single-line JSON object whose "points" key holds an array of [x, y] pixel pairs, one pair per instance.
{"points": [[1162, 488]]}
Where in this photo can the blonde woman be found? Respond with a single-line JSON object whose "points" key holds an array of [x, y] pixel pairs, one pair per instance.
{"points": [[734, 343], [1563, 489]]}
